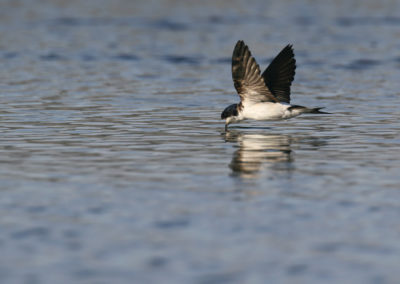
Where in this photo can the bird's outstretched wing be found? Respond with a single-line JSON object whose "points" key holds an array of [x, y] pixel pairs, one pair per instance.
{"points": [[247, 78], [280, 74]]}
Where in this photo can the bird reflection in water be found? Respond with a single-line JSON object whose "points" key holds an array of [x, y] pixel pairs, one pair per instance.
{"points": [[256, 150]]}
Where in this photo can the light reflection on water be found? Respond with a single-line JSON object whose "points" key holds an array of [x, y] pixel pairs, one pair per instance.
{"points": [[257, 150], [114, 164]]}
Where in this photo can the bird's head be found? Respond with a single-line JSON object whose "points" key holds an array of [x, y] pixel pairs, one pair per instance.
{"points": [[230, 114]]}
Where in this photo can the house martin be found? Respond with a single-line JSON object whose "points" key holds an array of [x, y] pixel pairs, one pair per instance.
{"points": [[263, 96]]}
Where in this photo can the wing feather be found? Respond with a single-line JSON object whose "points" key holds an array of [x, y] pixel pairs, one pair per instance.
{"points": [[247, 78], [280, 74]]}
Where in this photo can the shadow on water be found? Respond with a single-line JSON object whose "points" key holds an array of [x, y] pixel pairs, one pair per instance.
{"points": [[259, 151]]}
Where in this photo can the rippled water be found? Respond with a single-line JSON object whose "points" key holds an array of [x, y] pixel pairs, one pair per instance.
{"points": [[115, 167]]}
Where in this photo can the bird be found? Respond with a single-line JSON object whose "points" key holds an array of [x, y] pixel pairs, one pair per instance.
{"points": [[263, 96]]}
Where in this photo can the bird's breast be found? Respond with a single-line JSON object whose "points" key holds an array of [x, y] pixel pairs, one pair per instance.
{"points": [[265, 111]]}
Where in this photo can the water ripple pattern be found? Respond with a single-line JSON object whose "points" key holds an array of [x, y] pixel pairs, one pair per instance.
{"points": [[114, 163]]}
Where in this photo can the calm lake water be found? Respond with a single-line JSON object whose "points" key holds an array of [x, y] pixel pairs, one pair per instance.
{"points": [[115, 167]]}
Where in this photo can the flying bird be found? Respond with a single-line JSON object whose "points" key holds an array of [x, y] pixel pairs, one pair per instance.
{"points": [[263, 96]]}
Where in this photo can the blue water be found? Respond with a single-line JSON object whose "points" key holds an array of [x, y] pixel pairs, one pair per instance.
{"points": [[115, 166]]}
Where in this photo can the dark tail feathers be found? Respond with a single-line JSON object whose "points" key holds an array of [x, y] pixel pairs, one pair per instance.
{"points": [[308, 110], [317, 110]]}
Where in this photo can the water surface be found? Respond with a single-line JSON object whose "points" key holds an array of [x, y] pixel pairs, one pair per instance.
{"points": [[115, 166]]}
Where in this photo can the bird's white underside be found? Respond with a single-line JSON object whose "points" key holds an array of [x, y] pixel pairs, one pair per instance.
{"points": [[264, 111]]}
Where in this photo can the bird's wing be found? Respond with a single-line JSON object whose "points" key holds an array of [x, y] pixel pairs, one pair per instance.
{"points": [[280, 74], [247, 78]]}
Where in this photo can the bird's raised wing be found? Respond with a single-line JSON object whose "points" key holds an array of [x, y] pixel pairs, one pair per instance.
{"points": [[280, 74], [247, 78]]}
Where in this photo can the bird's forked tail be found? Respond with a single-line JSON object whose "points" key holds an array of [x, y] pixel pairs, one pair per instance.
{"points": [[316, 110], [303, 109]]}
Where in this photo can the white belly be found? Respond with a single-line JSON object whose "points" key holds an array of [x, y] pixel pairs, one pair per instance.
{"points": [[267, 111]]}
